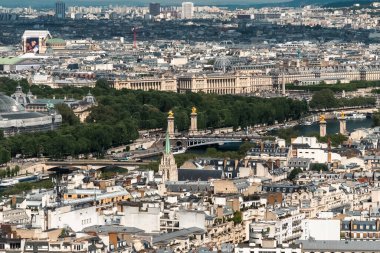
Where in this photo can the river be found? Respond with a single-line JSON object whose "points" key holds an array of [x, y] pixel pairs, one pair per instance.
{"points": [[333, 126]]}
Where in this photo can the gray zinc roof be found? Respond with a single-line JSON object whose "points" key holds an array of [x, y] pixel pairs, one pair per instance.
{"points": [[341, 246]]}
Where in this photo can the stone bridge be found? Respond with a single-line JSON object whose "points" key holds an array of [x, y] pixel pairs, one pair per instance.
{"points": [[197, 141], [47, 166]]}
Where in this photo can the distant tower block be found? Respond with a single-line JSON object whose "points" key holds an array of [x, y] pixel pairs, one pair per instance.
{"points": [[171, 124], [342, 123], [322, 126], [193, 121], [283, 84]]}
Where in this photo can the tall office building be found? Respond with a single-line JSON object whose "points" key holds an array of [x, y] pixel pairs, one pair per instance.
{"points": [[187, 10], [60, 9], [154, 9]]}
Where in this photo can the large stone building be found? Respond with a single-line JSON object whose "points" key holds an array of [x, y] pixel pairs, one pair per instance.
{"points": [[146, 84], [15, 119], [250, 80]]}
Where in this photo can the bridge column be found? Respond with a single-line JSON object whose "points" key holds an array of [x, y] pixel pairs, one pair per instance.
{"points": [[342, 124], [322, 126], [171, 124], [193, 121]]}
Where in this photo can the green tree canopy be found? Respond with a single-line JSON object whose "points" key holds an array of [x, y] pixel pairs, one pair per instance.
{"points": [[68, 116], [292, 175], [324, 99], [318, 167], [376, 118]]}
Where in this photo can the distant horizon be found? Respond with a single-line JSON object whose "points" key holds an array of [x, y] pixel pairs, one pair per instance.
{"points": [[50, 4]]}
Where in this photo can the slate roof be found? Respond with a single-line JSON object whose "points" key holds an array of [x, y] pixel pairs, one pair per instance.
{"points": [[198, 174], [342, 246]]}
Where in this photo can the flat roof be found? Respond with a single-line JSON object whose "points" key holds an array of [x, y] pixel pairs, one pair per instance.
{"points": [[177, 234], [342, 246], [36, 33], [10, 60]]}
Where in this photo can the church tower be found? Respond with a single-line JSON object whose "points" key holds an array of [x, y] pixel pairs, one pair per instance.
{"points": [[168, 167]]}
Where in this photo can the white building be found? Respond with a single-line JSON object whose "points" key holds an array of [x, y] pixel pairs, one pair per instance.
{"points": [[320, 229], [317, 155], [311, 141], [187, 10], [188, 219], [145, 217], [67, 216]]}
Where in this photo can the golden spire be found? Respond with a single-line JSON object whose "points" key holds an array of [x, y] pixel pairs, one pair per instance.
{"points": [[193, 110], [342, 114], [322, 118], [170, 114]]}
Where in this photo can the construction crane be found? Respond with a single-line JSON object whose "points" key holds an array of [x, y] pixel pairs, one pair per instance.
{"points": [[135, 30]]}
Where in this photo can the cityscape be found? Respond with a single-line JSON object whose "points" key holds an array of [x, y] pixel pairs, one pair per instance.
{"points": [[178, 126]]}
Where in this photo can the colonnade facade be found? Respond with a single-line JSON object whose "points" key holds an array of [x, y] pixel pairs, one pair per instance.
{"points": [[241, 83]]}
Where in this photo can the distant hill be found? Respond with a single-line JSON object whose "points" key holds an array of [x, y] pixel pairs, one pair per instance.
{"points": [[349, 3], [332, 3], [323, 3]]}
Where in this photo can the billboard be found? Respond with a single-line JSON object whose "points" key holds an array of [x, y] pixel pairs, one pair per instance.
{"points": [[32, 45], [34, 41]]}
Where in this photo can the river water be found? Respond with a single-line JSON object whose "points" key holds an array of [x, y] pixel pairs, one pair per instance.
{"points": [[333, 126]]}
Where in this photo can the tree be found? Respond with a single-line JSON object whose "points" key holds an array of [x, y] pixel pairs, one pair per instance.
{"points": [[319, 167], [3, 173], [293, 174], [336, 139], [102, 84], [68, 116], [376, 118], [17, 169], [8, 171], [5, 156], [245, 147], [237, 219], [323, 99]]}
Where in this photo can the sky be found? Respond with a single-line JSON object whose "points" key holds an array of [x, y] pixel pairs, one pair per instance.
{"points": [[51, 3]]}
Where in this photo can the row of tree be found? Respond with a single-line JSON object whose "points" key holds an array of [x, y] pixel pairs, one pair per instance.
{"points": [[288, 133], [339, 87], [9, 172], [325, 99], [70, 140], [149, 109]]}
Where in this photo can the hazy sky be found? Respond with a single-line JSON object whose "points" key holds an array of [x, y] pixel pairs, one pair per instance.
{"points": [[50, 3]]}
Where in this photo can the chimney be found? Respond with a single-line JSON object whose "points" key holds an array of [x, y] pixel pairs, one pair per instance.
{"points": [[13, 201], [219, 212]]}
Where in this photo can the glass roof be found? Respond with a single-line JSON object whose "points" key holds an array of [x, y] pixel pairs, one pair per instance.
{"points": [[8, 104]]}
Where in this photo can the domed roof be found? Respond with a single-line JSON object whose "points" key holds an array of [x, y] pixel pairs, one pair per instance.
{"points": [[8, 104]]}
